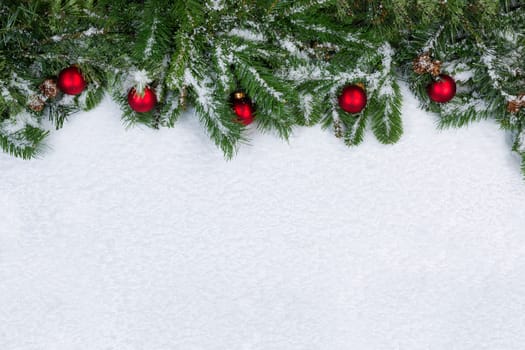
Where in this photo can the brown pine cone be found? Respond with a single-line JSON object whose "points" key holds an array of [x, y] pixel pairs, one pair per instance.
{"points": [[49, 88], [36, 103]]}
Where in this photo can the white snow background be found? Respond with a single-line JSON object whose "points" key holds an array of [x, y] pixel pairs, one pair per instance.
{"points": [[149, 240]]}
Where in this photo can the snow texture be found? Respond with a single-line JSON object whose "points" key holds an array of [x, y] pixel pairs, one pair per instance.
{"points": [[216, 5], [246, 34], [144, 239], [276, 94], [205, 98], [151, 40], [89, 32], [140, 80]]}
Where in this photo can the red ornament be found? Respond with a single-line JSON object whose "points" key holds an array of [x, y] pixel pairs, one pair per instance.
{"points": [[244, 111], [144, 103], [352, 99], [243, 108], [70, 81], [442, 90]]}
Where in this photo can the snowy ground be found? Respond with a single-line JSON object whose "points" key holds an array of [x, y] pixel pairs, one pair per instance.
{"points": [[149, 240]]}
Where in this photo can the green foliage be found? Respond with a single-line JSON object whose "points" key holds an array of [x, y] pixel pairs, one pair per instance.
{"points": [[292, 58], [24, 143], [40, 38], [483, 49]]}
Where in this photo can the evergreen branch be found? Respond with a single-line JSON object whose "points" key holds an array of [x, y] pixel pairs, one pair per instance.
{"points": [[386, 114], [24, 142], [214, 114], [355, 129], [171, 110], [270, 95]]}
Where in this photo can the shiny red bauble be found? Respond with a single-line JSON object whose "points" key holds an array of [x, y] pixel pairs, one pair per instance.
{"points": [[442, 90], [142, 103], [352, 99], [243, 108], [71, 81]]}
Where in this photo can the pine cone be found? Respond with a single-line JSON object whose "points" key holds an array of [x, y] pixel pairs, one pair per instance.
{"points": [[514, 106], [49, 88], [36, 103], [435, 70], [424, 64]]}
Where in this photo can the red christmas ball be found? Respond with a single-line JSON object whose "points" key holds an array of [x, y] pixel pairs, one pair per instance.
{"points": [[142, 103], [70, 81], [352, 99], [244, 111], [442, 90]]}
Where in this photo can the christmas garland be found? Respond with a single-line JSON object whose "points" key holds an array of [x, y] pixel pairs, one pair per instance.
{"points": [[273, 63]]}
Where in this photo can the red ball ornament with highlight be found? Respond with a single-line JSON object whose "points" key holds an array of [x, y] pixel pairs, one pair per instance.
{"points": [[71, 81], [352, 99], [142, 103], [242, 107], [244, 111], [442, 90]]}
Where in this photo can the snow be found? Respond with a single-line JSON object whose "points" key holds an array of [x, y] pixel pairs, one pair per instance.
{"points": [[488, 60], [302, 8], [246, 34], [92, 31], [204, 93], [223, 61], [301, 73], [276, 94], [18, 122], [387, 52], [307, 106], [521, 142], [464, 75], [144, 239], [137, 79], [11, 129], [289, 45], [386, 88], [151, 40], [21, 84], [67, 100], [89, 32], [6, 95], [216, 5], [430, 45]]}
